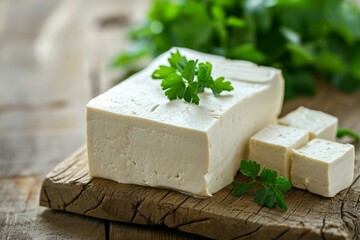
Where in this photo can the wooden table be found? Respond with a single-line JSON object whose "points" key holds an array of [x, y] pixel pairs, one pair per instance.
{"points": [[51, 59]]}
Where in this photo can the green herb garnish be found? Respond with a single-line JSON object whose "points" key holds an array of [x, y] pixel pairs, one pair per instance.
{"points": [[272, 185], [305, 38], [342, 132], [185, 79]]}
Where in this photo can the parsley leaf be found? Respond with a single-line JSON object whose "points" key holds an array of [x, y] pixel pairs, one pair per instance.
{"points": [[162, 72], [342, 132], [240, 189], [270, 195], [319, 38], [268, 175], [283, 184], [185, 79], [221, 85], [174, 86], [249, 168], [177, 61], [189, 70], [191, 94]]}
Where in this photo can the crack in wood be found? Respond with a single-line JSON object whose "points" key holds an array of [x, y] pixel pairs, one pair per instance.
{"points": [[302, 236], [77, 196], [351, 214], [96, 206], [135, 207], [253, 214], [164, 196], [62, 198], [247, 234], [107, 229], [163, 219], [282, 233], [322, 228], [193, 222], [356, 226], [80, 177], [47, 196]]}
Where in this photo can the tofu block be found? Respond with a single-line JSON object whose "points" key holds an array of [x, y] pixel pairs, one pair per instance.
{"points": [[323, 167], [271, 147], [319, 124], [136, 135]]}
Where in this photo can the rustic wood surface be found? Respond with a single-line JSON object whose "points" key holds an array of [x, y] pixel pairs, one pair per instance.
{"points": [[69, 188], [52, 54]]}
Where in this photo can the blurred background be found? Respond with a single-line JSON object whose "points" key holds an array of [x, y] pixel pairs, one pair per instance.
{"points": [[55, 55]]}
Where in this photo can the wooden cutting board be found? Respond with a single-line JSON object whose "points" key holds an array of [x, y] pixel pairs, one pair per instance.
{"points": [[70, 188]]}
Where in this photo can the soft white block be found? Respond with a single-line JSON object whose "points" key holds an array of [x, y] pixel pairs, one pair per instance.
{"points": [[271, 146], [319, 124], [323, 167], [136, 135]]}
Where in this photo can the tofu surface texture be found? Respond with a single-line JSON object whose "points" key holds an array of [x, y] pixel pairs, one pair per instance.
{"points": [[271, 147], [323, 167], [319, 124], [136, 135]]}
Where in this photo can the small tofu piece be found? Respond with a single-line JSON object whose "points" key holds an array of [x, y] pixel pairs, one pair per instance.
{"points": [[271, 147], [323, 167], [319, 124]]}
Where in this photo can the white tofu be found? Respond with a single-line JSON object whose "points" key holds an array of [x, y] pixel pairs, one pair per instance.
{"points": [[136, 135], [271, 147], [319, 124], [323, 167]]}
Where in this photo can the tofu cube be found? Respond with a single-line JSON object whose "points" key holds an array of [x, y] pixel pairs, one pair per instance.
{"points": [[319, 124], [323, 167], [271, 147], [136, 135]]}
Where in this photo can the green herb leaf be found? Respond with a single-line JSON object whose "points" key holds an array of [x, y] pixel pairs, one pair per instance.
{"points": [[270, 194], [189, 70], [268, 175], [271, 199], [235, 22], [221, 85], [177, 61], [249, 168], [174, 86], [314, 37], [186, 79], [204, 74], [280, 199], [283, 184], [342, 132], [262, 196], [240, 189], [191, 94], [163, 72]]}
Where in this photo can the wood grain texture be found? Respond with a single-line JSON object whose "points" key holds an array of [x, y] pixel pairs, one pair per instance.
{"points": [[21, 217], [140, 232], [69, 188]]}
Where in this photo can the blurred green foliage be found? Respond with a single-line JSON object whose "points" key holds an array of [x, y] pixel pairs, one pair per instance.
{"points": [[307, 39]]}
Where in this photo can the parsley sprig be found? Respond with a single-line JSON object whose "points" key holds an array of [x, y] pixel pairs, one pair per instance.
{"points": [[272, 185], [185, 79], [306, 39]]}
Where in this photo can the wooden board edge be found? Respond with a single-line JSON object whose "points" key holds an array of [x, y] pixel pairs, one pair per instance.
{"points": [[198, 227]]}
